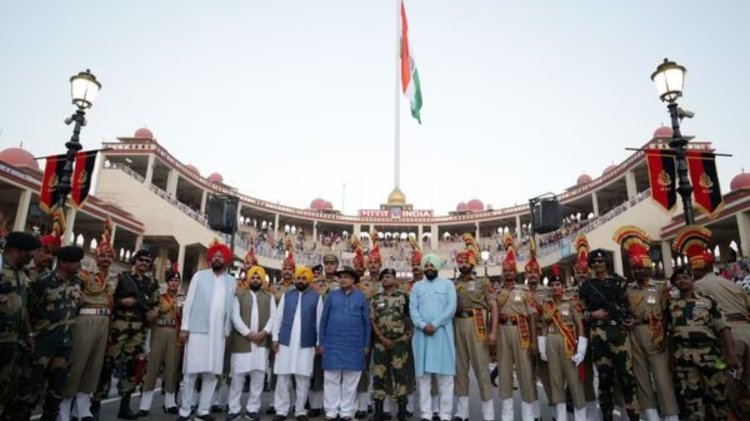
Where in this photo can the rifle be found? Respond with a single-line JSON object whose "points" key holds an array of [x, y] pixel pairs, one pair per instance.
{"points": [[615, 310], [130, 287]]}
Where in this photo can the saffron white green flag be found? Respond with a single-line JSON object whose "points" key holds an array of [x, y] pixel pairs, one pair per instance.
{"points": [[409, 75]]}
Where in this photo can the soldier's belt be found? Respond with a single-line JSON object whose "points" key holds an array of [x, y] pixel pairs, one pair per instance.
{"points": [[737, 317], [553, 330], [166, 323], [641, 322], [461, 314], [94, 312], [604, 323]]}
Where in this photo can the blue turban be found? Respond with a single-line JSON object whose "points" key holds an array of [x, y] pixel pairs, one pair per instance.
{"points": [[433, 259]]}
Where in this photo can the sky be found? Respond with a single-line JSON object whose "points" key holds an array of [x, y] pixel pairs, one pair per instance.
{"points": [[295, 99]]}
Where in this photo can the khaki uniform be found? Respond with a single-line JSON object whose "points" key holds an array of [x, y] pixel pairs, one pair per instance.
{"points": [[537, 298], [734, 303], [90, 333], [471, 330], [164, 346], [695, 325], [13, 295], [648, 304], [588, 361], [562, 370], [514, 309]]}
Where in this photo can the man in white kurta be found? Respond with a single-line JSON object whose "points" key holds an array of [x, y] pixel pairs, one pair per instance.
{"points": [[295, 336], [250, 342], [206, 319]]}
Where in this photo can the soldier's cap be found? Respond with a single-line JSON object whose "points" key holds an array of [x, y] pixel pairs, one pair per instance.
{"points": [[681, 270], [330, 258], [22, 241], [70, 254], [597, 254], [349, 271], [142, 253], [317, 268], [387, 271]]}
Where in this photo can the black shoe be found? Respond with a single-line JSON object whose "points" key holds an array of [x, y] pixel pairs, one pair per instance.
{"points": [[181, 418], [172, 410], [302, 418], [87, 419], [460, 419], [271, 411], [231, 417], [315, 412], [369, 409], [435, 416], [254, 416], [360, 415], [125, 413], [387, 416], [402, 413], [409, 414], [279, 418], [142, 413], [207, 417]]}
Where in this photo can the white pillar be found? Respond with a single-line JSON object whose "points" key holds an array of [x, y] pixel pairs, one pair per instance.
{"points": [[518, 229], [181, 257], [315, 230], [420, 233], [476, 231], [630, 184], [435, 237], [149, 169], [172, 179], [70, 220], [100, 159], [138, 242], [743, 226], [595, 203], [276, 227], [666, 258], [204, 199], [111, 235], [618, 261], [22, 212]]}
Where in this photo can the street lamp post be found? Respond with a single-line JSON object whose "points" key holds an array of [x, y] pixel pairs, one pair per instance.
{"points": [[669, 78], [83, 90]]}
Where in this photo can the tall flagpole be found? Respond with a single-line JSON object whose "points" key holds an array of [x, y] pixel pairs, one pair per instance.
{"points": [[397, 143]]}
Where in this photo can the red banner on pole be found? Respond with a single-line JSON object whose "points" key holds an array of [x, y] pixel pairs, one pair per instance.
{"points": [[48, 194], [81, 182], [705, 181], [662, 175]]}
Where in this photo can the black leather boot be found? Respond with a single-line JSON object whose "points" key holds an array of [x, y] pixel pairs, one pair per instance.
{"points": [[401, 415], [125, 413], [378, 415]]}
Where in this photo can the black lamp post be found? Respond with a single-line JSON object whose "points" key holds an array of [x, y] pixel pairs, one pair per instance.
{"points": [[669, 78], [83, 90]]}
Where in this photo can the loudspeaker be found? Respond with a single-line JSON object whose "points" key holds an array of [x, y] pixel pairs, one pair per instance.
{"points": [[547, 214], [222, 214]]}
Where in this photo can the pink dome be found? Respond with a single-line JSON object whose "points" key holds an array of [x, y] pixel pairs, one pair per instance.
{"points": [[143, 133], [740, 181], [329, 205], [583, 179], [462, 207], [320, 204], [609, 169], [663, 132], [475, 205], [216, 178], [193, 169], [18, 157]]}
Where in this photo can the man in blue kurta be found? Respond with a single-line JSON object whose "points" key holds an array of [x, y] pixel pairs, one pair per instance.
{"points": [[432, 305], [345, 344]]}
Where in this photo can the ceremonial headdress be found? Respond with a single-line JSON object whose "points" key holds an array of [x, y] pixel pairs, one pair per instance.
{"points": [[532, 266], [582, 250], [173, 272], [416, 253], [432, 259], [215, 247], [305, 272], [104, 248], [510, 252], [554, 276], [692, 241], [51, 242], [250, 259], [636, 243], [470, 254], [359, 256], [374, 254], [289, 260]]}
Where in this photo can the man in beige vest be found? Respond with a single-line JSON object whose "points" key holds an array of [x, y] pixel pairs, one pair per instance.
{"points": [[252, 319], [165, 349]]}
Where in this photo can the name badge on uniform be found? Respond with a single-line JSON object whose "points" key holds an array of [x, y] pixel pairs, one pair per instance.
{"points": [[517, 297], [651, 296], [565, 310], [471, 286], [381, 305]]}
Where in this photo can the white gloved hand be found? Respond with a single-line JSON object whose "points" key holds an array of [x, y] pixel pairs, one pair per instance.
{"points": [[542, 340], [581, 351]]}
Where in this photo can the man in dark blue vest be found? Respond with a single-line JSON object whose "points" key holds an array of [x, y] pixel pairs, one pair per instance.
{"points": [[295, 342]]}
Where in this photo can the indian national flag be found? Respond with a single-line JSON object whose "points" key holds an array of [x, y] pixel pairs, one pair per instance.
{"points": [[409, 74]]}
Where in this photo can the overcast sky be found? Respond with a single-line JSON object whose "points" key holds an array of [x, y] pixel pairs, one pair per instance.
{"points": [[292, 99]]}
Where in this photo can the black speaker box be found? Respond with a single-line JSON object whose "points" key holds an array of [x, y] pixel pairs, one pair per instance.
{"points": [[547, 214], [222, 215]]}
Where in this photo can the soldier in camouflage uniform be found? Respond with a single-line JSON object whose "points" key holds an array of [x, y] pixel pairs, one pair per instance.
{"points": [[391, 324], [41, 263], [52, 309], [135, 301], [695, 324], [14, 281], [603, 297]]}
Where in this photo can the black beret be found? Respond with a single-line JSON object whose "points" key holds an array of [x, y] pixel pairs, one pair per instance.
{"points": [[317, 268], [142, 253], [171, 274], [681, 270], [387, 271], [597, 254], [22, 241], [70, 254], [349, 271]]}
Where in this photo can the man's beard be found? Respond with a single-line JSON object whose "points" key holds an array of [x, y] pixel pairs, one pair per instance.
{"points": [[430, 274], [465, 270], [255, 287], [217, 266], [300, 286]]}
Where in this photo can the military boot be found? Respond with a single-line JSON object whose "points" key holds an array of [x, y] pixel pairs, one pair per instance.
{"points": [[378, 415], [402, 415], [125, 413]]}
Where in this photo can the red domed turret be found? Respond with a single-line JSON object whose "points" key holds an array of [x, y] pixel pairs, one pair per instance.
{"points": [[609, 169], [193, 169], [143, 133], [475, 205], [320, 204], [462, 207], [216, 178], [740, 181], [18, 157], [663, 132], [583, 179]]}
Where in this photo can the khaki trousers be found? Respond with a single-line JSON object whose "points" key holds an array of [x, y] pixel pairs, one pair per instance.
{"points": [[90, 335], [510, 353], [164, 350], [470, 352], [652, 373], [562, 371]]}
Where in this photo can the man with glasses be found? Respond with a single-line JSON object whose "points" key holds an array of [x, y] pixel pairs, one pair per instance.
{"points": [[135, 303], [605, 302]]}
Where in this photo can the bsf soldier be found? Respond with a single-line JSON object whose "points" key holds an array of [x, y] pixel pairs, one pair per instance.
{"points": [[14, 281], [389, 314], [606, 313], [52, 308], [417, 275], [164, 348], [91, 330], [475, 307], [695, 324], [516, 342], [562, 324], [648, 302], [330, 266], [537, 295], [135, 303]]}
